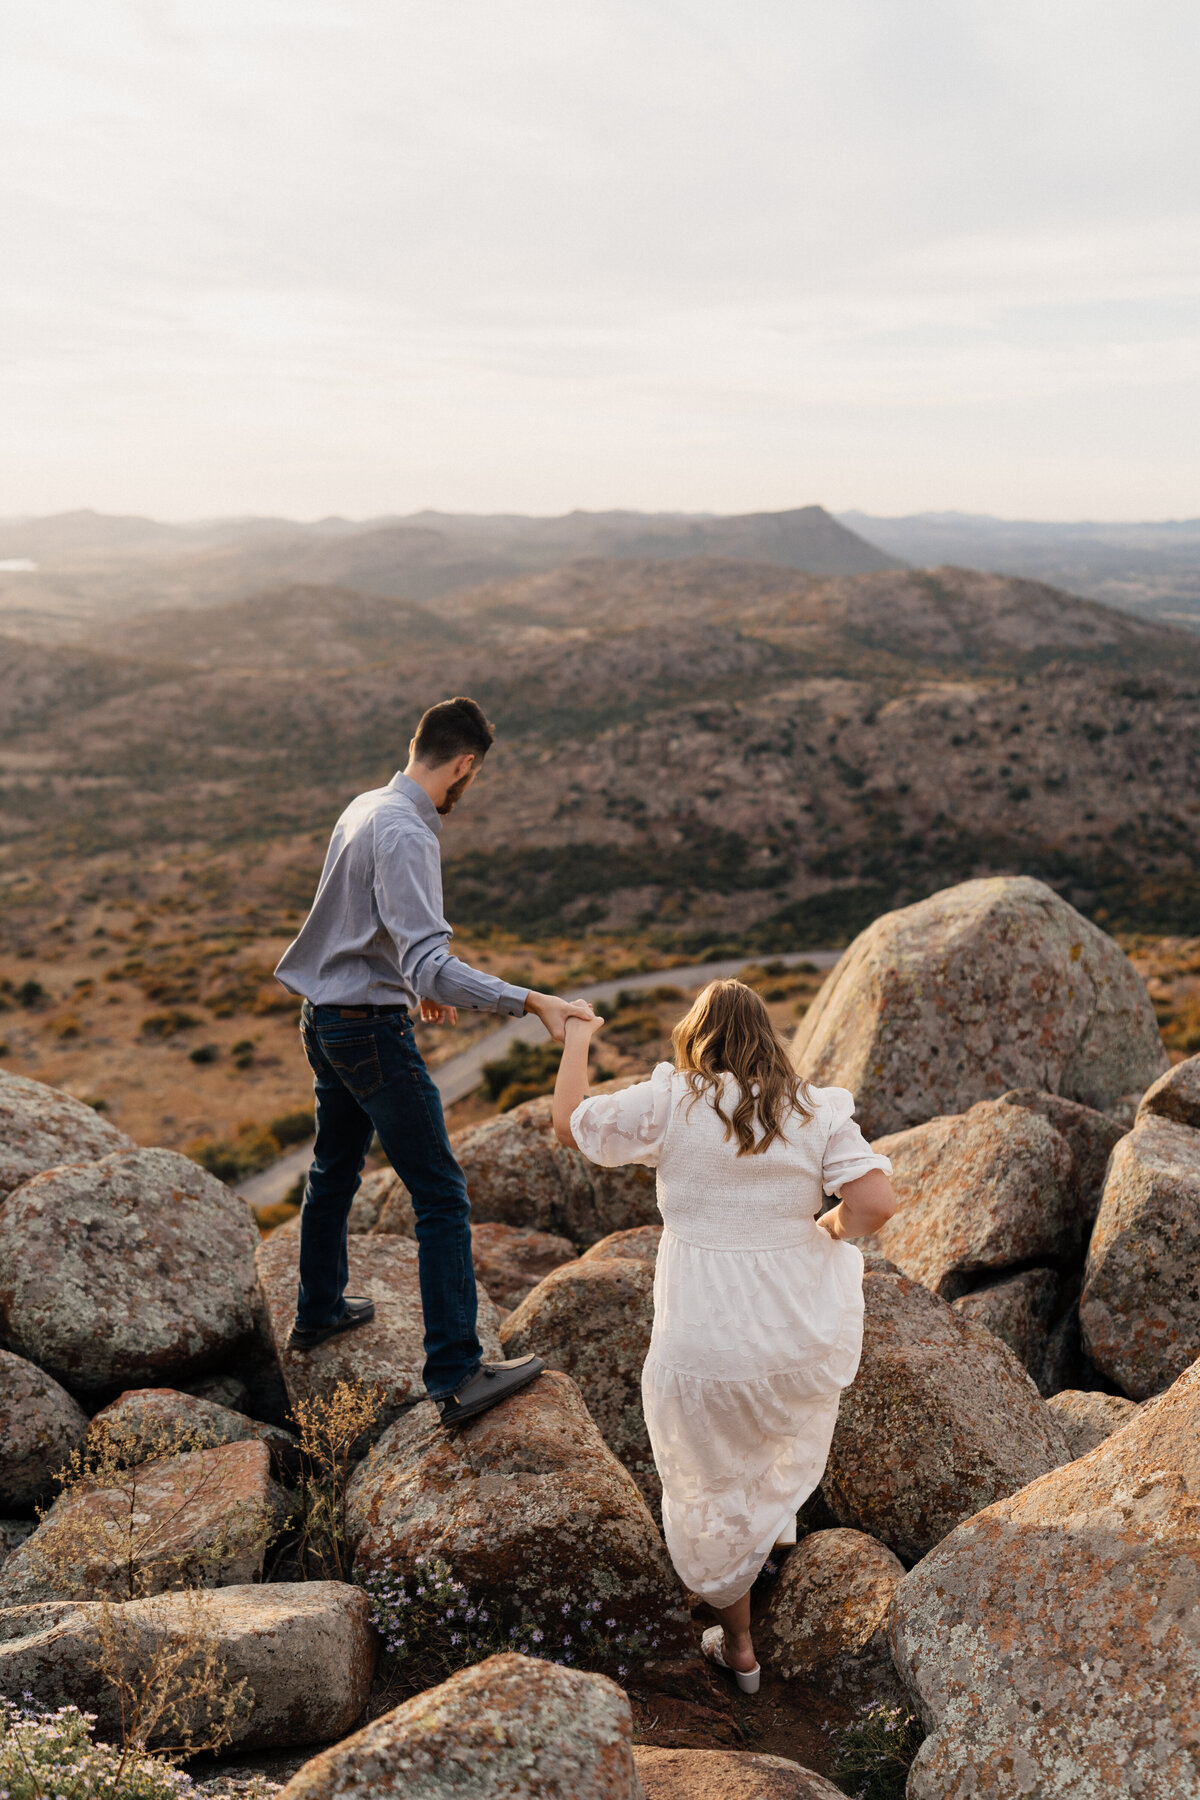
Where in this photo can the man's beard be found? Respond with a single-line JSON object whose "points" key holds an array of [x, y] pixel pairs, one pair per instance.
{"points": [[454, 795]]}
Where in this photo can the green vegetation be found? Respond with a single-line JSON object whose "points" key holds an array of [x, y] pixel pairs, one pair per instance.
{"points": [[255, 1146], [522, 1073], [873, 1754]]}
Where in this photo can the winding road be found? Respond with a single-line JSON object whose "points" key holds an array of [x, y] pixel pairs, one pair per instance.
{"points": [[460, 1075]]}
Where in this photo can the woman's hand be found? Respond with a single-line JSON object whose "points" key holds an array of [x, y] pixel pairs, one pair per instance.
{"points": [[576, 1027], [571, 1084]]}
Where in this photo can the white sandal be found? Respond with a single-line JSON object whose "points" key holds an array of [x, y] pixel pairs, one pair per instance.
{"points": [[712, 1645]]}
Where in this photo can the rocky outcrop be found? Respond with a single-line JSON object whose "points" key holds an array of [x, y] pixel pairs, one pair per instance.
{"points": [[1091, 1137], [727, 1775], [1139, 1311], [510, 1260], [389, 1353], [510, 1726], [826, 1619], [144, 1420], [592, 1319], [940, 1420], [526, 1504], [1019, 1311], [382, 1204], [1086, 1419], [519, 1174], [305, 1649], [203, 1518], [127, 1271], [991, 985], [12, 1533], [41, 1127], [384, 1194], [978, 1193], [640, 1243], [361, 1218], [1051, 1640], [40, 1425], [1174, 1096]]}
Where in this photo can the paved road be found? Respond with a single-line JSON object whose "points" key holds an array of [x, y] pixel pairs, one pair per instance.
{"points": [[460, 1075]]}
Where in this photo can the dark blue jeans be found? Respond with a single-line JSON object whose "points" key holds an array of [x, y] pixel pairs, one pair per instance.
{"points": [[370, 1077]]}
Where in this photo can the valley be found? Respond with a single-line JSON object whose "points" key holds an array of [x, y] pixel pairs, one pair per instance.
{"points": [[696, 756]]}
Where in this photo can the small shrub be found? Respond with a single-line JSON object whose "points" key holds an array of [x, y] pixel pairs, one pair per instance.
{"points": [[116, 1544], [517, 1092], [5, 1049], [242, 1053], [255, 1147], [533, 1066], [295, 1126], [275, 1000], [204, 1053], [31, 994], [333, 1429], [51, 1755], [638, 1028], [873, 1754], [267, 1218], [431, 1626], [168, 1022]]}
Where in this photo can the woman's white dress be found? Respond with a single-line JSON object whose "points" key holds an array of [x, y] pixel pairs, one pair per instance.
{"points": [[757, 1314]]}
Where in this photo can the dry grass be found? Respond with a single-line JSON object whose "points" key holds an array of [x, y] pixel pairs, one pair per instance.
{"points": [[100, 1531]]}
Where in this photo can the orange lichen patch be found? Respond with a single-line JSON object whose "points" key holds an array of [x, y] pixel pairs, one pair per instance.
{"points": [[1051, 1639]]}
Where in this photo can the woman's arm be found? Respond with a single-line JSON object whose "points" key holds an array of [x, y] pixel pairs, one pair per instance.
{"points": [[571, 1083], [865, 1205]]}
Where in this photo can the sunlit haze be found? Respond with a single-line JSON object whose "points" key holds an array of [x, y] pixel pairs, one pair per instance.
{"points": [[312, 256]]}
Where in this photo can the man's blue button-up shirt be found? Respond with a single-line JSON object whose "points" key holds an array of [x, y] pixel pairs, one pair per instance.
{"points": [[376, 935]]}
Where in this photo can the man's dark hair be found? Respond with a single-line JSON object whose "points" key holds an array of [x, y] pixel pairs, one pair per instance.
{"points": [[453, 728]]}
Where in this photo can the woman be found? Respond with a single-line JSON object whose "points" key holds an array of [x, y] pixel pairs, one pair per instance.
{"points": [[757, 1307]]}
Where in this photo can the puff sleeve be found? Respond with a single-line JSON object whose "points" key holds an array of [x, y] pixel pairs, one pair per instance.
{"points": [[628, 1127], [847, 1153]]}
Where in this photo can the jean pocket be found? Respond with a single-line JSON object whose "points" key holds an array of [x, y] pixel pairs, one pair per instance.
{"points": [[355, 1061]]}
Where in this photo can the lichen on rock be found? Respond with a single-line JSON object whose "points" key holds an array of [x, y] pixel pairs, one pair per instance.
{"points": [[526, 1504], [1051, 1641], [134, 1269], [990, 985]]}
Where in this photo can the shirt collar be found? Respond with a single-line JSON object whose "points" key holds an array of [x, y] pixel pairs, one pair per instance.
{"points": [[415, 794]]}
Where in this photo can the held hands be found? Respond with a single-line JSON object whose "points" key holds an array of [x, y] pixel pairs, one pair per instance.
{"points": [[554, 1013], [577, 1028]]}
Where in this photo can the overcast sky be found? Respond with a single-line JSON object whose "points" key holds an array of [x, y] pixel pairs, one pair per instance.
{"points": [[364, 256]]}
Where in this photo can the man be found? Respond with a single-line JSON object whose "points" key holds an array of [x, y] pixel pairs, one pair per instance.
{"points": [[373, 949]]}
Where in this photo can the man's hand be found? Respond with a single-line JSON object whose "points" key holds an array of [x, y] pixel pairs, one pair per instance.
{"points": [[433, 1014], [554, 1012]]}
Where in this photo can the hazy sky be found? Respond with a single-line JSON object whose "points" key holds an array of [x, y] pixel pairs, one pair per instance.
{"points": [[364, 256]]}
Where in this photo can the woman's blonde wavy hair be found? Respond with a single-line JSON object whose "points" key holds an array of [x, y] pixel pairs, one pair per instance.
{"points": [[729, 1031]]}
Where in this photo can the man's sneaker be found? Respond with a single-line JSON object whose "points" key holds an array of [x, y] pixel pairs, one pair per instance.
{"points": [[490, 1384], [358, 1312]]}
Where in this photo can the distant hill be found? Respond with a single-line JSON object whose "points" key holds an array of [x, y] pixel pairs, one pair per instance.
{"points": [[1149, 569], [94, 568], [705, 749]]}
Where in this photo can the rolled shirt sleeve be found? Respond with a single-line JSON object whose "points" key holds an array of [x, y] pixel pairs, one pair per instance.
{"points": [[847, 1152], [408, 894]]}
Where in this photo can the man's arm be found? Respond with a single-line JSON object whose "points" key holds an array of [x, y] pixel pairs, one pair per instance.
{"points": [[408, 893]]}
